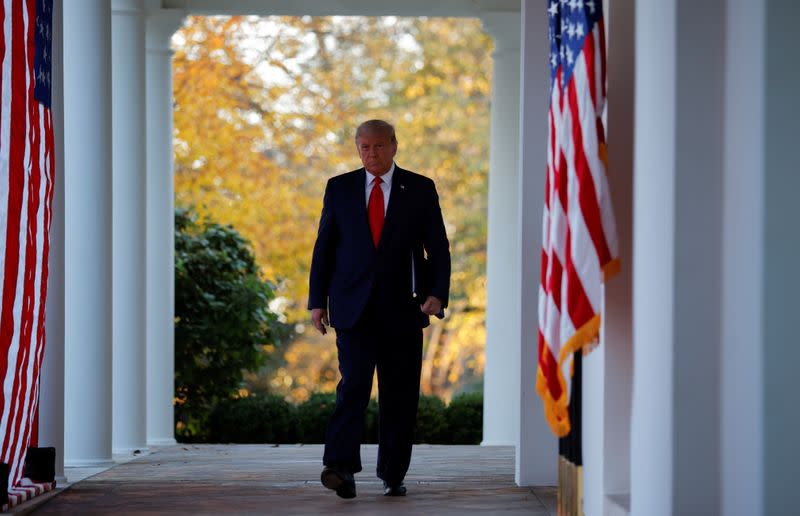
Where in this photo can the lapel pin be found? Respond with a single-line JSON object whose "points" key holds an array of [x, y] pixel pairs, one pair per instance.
{"points": [[402, 187]]}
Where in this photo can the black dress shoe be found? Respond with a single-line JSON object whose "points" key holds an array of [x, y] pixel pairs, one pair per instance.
{"points": [[394, 489], [339, 480]]}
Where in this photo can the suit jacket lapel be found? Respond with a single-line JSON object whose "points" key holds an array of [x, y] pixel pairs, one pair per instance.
{"points": [[358, 192], [396, 204]]}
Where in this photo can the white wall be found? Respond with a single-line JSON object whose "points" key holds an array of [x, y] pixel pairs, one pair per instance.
{"points": [[618, 328], [781, 261], [537, 448], [608, 371], [699, 129]]}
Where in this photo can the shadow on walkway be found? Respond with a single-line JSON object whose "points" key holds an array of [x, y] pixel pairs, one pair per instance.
{"points": [[261, 479]]}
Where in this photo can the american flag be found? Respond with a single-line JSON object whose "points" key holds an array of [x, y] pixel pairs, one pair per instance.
{"points": [[26, 194], [580, 243]]}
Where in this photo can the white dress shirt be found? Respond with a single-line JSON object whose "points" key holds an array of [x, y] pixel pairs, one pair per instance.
{"points": [[386, 186]]}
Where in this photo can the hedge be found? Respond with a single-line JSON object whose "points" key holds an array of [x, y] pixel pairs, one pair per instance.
{"points": [[431, 421], [465, 418], [255, 419], [271, 419], [313, 415]]}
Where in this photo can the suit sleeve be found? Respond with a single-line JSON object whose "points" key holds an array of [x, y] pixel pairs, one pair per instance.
{"points": [[323, 257], [437, 248]]}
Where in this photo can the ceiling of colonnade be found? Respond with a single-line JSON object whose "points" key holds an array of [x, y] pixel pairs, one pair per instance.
{"points": [[471, 8]]}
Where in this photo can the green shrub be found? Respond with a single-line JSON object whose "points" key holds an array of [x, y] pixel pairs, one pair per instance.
{"points": [[270, 419], [255, 419], [431, 420], [222, 319], [313, 416], [465, 418]]}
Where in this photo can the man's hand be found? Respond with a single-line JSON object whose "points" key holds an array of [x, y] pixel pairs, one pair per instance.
{"points": [[432, 306], [319, 317]]}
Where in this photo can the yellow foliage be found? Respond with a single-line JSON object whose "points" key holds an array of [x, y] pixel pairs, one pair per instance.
{"points": [[265, 110]]}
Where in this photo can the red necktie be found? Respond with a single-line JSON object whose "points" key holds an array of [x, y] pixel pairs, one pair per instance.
{"points": [[375, 210]]}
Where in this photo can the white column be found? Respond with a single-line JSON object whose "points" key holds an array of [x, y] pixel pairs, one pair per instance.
{"points": [[51, 395], [652, 440], [87, 237], [781, 258], [608, 371], [742, 360], [501, 389], [128, 265], [760, 355], [677, 284], [537, 447], [160, 288]]}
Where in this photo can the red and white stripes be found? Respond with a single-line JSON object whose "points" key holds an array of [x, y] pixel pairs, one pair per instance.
{"points": [[580, 243], [26, 193], [24, 491]]}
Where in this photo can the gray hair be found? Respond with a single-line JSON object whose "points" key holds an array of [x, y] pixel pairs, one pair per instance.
{"points": [[376, 126]]}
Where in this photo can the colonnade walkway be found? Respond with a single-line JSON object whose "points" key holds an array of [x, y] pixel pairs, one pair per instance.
{"points": [[268, 479]]}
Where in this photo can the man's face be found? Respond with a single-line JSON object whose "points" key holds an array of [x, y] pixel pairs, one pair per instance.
{"points": [[376, 151]]}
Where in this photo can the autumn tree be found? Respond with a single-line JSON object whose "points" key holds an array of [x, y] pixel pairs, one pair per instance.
{"points": [[265, 110]]}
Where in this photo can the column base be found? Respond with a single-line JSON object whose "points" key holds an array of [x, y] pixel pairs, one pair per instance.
{"points": [[128, 452], [78, 470], [89, 463], [498, 443], [618, 504], [162, 442]]}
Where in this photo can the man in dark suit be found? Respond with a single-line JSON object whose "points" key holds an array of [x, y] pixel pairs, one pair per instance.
{"points": [[371, 281]]}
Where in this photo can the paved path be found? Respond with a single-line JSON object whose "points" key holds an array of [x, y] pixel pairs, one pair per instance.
{"points": [[263, 479]]}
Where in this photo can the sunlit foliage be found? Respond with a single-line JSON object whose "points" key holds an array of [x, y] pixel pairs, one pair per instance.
{"points": [[265, 110]]}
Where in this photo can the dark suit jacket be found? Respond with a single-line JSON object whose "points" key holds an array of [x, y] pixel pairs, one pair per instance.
{"points": [[347, 270]]}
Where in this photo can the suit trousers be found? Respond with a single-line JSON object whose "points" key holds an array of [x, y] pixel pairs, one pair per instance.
{"points": [[397, 354]]}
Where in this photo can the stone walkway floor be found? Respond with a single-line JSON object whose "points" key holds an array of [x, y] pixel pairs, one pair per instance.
{"points": [[263, 479]]}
